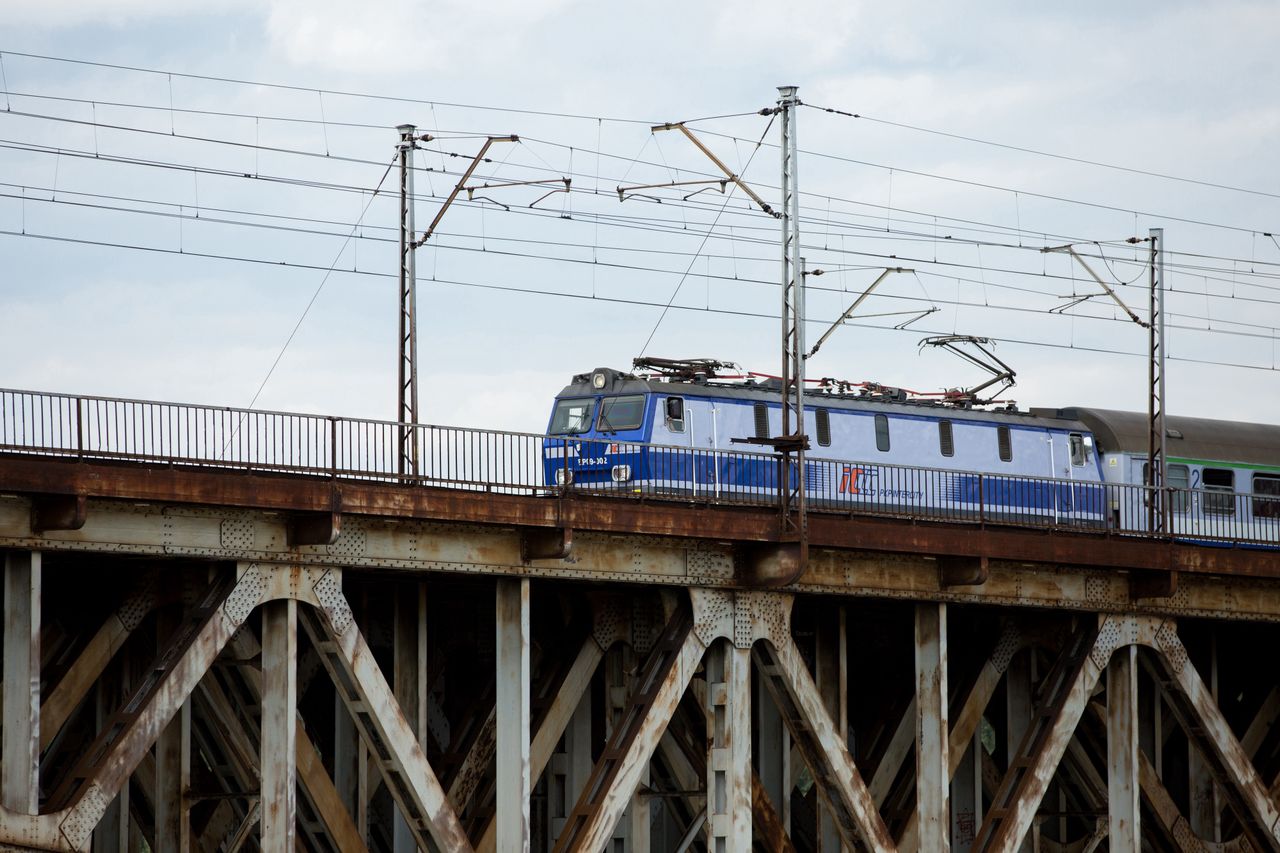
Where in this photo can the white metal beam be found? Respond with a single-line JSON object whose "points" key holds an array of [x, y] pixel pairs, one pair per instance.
{"points": [[552, 728], [512, 698], [839, 782], [20, 773], [173, 778], [278, 757], [393, 744], [1123, 788], [1192, 703], [659, 686], [728, 712], [933, 758], [1066, 694]]}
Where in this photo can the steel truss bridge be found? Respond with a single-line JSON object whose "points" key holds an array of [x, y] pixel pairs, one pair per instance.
{"points": [[230, 630]]}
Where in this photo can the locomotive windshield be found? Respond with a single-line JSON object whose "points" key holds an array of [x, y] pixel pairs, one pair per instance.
{"points": [[572, 416], [619, 413]]}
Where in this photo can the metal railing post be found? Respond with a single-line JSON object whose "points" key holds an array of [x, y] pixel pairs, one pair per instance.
{"points": [[982, 500], [333, 446], [79, 426]]}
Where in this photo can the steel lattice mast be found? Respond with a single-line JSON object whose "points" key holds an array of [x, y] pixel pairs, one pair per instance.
{"points": [[792, 442], [1158, 505], [407, 412]]}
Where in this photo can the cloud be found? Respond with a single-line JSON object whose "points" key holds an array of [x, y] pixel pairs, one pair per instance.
{"points": [[400, 35], [55, 14]]}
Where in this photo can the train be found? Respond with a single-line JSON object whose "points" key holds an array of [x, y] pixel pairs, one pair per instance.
{"points": [[690, 433]]}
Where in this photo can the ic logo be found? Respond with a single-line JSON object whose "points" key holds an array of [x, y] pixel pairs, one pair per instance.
{"points": [[849, 480]]}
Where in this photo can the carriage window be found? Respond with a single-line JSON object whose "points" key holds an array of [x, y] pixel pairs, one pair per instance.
{"points": [[1180, 481], [572, 416], [619, 413], [762, 421], [946, 442], [882, 432], [675, 414], [1269, 506], [1005, 445], [823, 417], [1219, 491], [1078, 455]]}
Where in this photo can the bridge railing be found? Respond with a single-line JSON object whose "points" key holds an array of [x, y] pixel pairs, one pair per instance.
{"points": [[208, 436]]}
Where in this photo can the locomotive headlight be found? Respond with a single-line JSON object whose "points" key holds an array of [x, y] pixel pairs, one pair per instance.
{"points": [[621, 473], [598, 380], [563, 476]]}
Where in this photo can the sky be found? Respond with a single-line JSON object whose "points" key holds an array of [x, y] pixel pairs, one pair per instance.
{"points": [[188, 207]]}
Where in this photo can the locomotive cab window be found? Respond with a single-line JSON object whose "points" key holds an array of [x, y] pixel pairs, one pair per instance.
{"points": [[1079, 455], [1004, 444], [823, 419], [1219, 491], [620, 413], [675, 414], [572, 416], [946, 440], [882, 432], [762, 421], [1266, 496]]}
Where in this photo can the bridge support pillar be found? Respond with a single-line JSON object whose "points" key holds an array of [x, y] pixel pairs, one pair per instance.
{"points": [[278, 755], [173, 768], [512, 698], [728, 710], [410, 682], [831, 677], [1124, 835], [20, 775], [933, 758]]}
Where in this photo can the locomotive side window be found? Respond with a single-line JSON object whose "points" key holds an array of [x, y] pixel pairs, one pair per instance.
{"points": [[619, 413], [1266, 507], [675, 414], [1004, 443], [1078, 455], [823, 418], [572, 416], [1219, 491], [762, 421], [882, 432], [946, 441]]}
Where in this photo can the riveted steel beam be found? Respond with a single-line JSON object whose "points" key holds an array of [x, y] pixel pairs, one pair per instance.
{"points": [[1064, 697], [659, 686], [933, 758], [78, 680], [1123, 786], [20, 762], [1195, 709], [514, 783], [393, 744], [584, 513], [815, 735], [728, 712], [278, 757]]}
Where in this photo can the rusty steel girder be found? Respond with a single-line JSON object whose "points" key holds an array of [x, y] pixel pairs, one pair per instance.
{"points": [[748, 526]]}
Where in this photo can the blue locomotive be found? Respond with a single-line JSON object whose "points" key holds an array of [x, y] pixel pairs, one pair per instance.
{"points": [[877, 450]]}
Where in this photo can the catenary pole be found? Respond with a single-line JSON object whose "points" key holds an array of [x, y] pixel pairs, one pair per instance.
{"points": [[407, 412]]}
